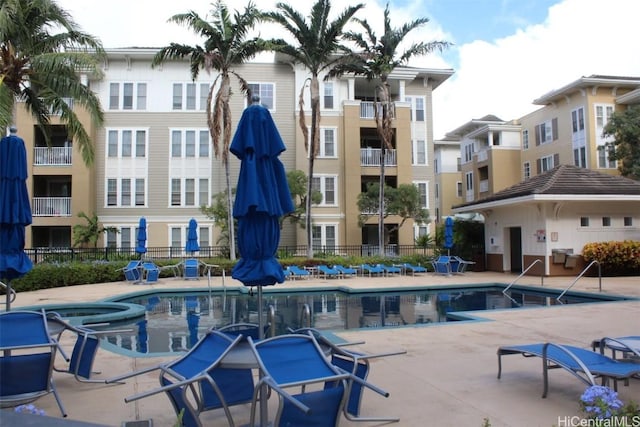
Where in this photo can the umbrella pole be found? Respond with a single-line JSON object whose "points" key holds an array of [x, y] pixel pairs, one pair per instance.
{"points": [[264, 416], [8, 292]]}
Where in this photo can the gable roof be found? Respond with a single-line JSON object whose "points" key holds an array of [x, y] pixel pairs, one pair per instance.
{"points": [[564, 182]]}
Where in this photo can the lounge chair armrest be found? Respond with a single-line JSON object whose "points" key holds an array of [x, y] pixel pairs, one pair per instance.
{"points": [[620, 345], [275, 387]]}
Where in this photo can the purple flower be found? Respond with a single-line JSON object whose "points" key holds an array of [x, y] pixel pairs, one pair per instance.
{"points": [[29, 409], [600, 402]]}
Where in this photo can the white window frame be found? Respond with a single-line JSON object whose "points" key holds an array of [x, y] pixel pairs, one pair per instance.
{"points": [[190, 197], [420, 230], [525, 139], [323, 234], [138, 96], [423, 190], [266, 92], [189, 96], [419, 147], [328, 93], [136, 192], [545, 132], [603, 114], [417, 106], [201, 137], [117, 236], [546, 163], [526, 170], [323, 142], [136, 148], [322, 183]]}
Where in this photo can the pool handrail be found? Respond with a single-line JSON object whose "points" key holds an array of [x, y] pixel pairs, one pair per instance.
{"points": [[595, 261], [504, 291]]}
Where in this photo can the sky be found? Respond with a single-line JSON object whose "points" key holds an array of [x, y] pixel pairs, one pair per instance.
{"points": [[504, 53]]}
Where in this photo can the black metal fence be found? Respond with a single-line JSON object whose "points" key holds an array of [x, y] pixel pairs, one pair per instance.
{"points": [[66, 254]]}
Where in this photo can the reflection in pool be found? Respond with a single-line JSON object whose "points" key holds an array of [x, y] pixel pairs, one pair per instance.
{"points": [[174, 321]]}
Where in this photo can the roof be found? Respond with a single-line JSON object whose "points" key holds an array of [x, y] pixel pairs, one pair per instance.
{"points": [[594, 80], [565, 182]]}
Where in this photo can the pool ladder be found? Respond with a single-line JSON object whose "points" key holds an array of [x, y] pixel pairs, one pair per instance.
{"points": [[11, 297], [505, 290], [595, 261]]}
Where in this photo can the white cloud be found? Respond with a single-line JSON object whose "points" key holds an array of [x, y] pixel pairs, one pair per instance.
{"points": [[501, 77], [578, 38]]}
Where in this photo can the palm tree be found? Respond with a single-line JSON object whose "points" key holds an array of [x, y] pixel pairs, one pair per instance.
{"points": [[41, 69], [89, 233], [318, 49], [225, 45], [376, 58]]}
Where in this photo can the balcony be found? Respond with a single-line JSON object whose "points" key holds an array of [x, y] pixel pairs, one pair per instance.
{"points": [[367, 111], [482, 156], [51, 206], [371, 157], [52, 156], [484, 185]]}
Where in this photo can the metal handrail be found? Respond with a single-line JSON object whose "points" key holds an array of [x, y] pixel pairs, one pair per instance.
{"points": [[271, 318], [504, 291], [12, 292], [595, 261], [305, 314]]}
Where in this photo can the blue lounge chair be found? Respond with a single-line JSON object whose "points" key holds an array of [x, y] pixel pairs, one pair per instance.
{"points": [[196, 382], [389, 269], [370, 269], [191, 269], [413, 268], [586, 365], [132, 271], [459, 265], [87, 342], [150, 271], [346, 271], [27, 355], [328, 272], [628, 346], [290, 365], [299, 272], [442, 265]]}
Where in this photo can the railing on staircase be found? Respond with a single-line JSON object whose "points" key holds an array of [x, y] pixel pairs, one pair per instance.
{"points": [[505, 290], [596, 262]]}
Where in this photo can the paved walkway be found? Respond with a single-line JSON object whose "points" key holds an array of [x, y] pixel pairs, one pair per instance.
{"points": [[446, 378]]}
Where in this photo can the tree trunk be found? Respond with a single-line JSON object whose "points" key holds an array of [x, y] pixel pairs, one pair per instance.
{"points": [[313, 150]]}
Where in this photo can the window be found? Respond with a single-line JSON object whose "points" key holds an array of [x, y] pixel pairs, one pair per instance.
{"points": [[327, 186], [323, 237], [467, 150], [112, 239], [266, 92], [191, 96], [123, 187], [419, 154], [417, 108], [603, 158], [437, 195], [603, 114], [204, 95], [606, 221], [112, 192], [203, 192], [580, 157], [420, 230], [120, 143], [547, 162], [328, 96], [125, 237], [627, 221], [584, 221], [577, 120], [327, 142], [184, 191], [469, 182], [176, 192], [122, 96], [526, 168], [176, 237], [547, 132], [423, 192], [459, 189], [120, 237], [177, 96], [125, 198], [525, 139], [188, 138], [203, 237]]}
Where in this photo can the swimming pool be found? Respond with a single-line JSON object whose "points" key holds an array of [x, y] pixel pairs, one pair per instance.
{"points": [[174, 321]]}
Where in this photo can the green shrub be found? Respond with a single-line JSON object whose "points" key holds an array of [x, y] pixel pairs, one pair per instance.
{"points": [[615, 258]]}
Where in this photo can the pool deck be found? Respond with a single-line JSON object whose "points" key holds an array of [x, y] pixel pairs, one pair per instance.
{"points": [[446, 378]]}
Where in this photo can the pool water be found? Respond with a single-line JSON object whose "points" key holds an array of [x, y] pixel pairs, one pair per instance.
{"points": [[175, 321]]}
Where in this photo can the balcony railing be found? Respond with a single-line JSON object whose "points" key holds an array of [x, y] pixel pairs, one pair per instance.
{"points": [[371, 157], [51, 206], [482, 156], [367, 111], [484, 186], [52, 156]]}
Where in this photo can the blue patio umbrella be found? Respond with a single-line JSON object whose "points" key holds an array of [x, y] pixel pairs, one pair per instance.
{"points": [[192, 237], [262, 197], [15, 210], [448, 233], [141, 238]]}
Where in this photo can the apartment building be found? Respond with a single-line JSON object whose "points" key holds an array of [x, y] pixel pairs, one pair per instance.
{"points": [[528, 219], [154, 156]]}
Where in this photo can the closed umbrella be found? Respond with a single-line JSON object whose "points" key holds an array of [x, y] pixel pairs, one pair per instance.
{"points": [[192, 237], [448, 233], [15, 210], [141, 238], [262, 197]]}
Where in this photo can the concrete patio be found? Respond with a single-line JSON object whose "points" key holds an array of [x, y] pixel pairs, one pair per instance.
{"points": [[446, 378]]}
